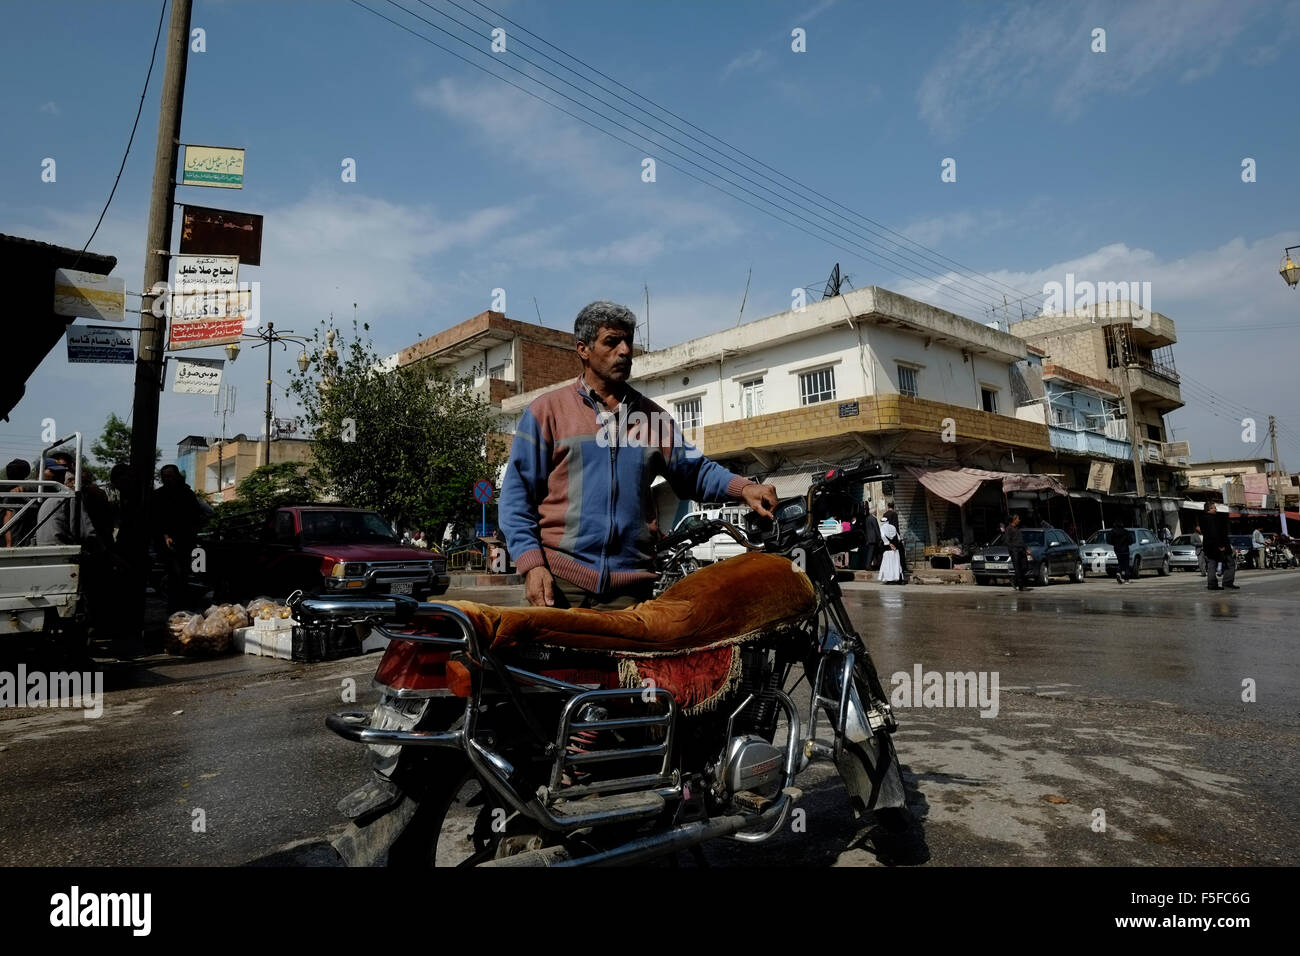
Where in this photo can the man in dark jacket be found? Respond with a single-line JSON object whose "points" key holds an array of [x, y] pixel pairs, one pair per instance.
{"points": [[177, 516], [1121, 539], [1015, 542], [870, 527], [1219, 556]]}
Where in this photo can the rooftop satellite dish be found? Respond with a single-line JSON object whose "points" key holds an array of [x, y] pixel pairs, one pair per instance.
{"points": [[833, 283]]}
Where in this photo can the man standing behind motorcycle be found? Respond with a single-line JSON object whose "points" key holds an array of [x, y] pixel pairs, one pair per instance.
{"points": [[576, 506]]}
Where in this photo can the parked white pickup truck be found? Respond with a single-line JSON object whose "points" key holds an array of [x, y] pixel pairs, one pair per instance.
{"points": [[40, 586]]}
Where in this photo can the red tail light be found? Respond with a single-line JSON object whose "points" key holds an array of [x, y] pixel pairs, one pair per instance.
{"points": [[412, 665]]}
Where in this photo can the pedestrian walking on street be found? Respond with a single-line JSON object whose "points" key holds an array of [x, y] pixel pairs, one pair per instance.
{"points": [[1121, 539], [891, 568], [871, 540], [1258, 542], [891, 516], [1019, 553], [1219, 557]]}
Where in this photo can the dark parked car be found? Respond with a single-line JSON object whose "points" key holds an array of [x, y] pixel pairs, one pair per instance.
{"points": [[1051, 553]]}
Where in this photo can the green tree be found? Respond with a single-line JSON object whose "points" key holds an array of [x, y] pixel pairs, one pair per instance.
{"points": [[114, 447], [284, 483], [404, 442]]}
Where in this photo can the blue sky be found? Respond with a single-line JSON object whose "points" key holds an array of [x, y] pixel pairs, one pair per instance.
{"points": [[1122, 165]]}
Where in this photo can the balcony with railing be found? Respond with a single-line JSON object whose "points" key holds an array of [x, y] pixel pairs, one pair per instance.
{"points": [[1155, 385]]}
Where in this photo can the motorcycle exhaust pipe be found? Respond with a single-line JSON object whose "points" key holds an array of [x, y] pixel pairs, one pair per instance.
{"points": [[647, 848]]}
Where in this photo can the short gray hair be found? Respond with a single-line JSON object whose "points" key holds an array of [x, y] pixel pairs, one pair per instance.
{"points": [[602, 314]]}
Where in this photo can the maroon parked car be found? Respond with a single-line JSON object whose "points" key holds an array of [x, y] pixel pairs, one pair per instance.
{"points": [[318, 549]]}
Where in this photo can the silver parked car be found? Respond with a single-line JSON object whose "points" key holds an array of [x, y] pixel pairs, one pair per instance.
{"points": [[1185, 552], [1147, 551]]}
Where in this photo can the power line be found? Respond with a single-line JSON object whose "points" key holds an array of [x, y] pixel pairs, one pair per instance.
{"points": [[946, 285], [823, 224], [936, 258], [131, 139]]}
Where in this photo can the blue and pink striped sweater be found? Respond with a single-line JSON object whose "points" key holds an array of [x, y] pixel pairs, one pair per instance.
{"points": [[576, 495]]}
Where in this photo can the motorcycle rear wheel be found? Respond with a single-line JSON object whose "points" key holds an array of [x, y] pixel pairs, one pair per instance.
{"points": [[454, 827]]}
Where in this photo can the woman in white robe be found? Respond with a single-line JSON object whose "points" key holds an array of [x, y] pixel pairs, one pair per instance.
{"points": [[891, 567]]}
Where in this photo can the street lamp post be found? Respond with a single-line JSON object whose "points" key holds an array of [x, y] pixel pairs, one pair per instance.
{"points": [[269, 337]]}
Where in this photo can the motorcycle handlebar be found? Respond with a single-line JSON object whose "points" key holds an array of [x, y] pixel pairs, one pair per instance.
{"points": [[698, 534]]}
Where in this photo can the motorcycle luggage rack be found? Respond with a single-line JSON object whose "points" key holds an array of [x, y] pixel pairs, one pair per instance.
{"points": [[569, 725]]}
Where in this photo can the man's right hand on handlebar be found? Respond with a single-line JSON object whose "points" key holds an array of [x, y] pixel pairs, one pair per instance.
{"points": [[762, 498]]}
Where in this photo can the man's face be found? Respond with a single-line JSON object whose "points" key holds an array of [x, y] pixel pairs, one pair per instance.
{"points": [[610, 356], [170, 477]]}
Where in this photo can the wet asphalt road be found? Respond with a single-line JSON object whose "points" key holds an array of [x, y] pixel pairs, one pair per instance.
{"points": [[1121, 699]]}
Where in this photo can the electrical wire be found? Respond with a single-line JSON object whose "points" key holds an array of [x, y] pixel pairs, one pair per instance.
{"points": [[936, 258], [945, 285], [131, 139]]}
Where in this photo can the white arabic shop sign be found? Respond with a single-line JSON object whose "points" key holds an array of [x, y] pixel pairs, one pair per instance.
{"points": [[213, 166], [208, 305], [220, 272], [89, 296], [99, 346], [198, 376]]}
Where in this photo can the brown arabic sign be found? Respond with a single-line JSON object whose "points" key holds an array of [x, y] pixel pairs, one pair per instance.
{"points": [[220, 232]]}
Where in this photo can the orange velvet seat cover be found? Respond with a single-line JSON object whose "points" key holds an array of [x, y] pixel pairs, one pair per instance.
{"points": [[724, 603]]}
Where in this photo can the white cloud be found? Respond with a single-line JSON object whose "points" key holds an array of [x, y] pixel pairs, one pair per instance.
{"points": [[744, 61], [622, 219], [1043, 50], [50, 107]]}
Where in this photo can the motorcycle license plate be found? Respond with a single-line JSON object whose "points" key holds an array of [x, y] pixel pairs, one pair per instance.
{"points": [[401, 587], [992, 566]]}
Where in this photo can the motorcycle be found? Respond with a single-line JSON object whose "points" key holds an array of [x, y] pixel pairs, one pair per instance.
{"points": [[1278, 556], [556, 753]]}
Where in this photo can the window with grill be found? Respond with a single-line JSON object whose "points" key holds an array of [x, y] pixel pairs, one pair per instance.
{"points": [[1064, 417], [689, 414], [907, 381], [989, 398], [817, 386]]}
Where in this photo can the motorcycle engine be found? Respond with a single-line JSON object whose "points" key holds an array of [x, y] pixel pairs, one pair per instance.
{"points": [[753, 764]]}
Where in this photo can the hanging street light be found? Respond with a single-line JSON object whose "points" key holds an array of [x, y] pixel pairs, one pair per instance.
{"points": [[1290, 270]]}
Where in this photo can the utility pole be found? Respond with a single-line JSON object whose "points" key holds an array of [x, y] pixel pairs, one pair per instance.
{"points": [[1275, 480], [1119, 337], [157, 251], [157, 257]]}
